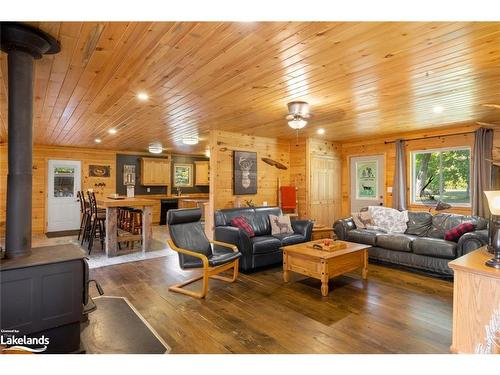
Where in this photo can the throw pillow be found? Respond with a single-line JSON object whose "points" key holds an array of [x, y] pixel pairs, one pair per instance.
{"points": [[389, 219], [362, 219], [242, 223], [280, 224], [455, 233]]}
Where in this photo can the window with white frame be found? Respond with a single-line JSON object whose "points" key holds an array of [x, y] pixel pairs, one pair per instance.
{"points": [[441, 175]]}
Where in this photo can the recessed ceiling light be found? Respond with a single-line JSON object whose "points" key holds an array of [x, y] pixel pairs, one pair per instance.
{"points": [[190, 140], [112, 131], [142, 96], [438, 109], [320, 131], [97, 140], [155, 148]]}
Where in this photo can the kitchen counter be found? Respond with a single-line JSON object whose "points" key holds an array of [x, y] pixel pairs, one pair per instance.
{"points": [[180, 198], [174, 196]]}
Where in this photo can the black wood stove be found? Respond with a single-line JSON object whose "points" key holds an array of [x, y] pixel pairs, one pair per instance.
{"points": [[42, 290]]}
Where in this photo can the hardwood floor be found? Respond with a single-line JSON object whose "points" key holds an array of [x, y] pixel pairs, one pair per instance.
{"points": [[394, 312]]}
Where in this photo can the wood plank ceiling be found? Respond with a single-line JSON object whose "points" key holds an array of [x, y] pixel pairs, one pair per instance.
{"points": [[361, 79]]}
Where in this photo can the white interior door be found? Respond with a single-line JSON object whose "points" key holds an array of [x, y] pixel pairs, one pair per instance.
{"points": [[63, 183], [367, 181]]}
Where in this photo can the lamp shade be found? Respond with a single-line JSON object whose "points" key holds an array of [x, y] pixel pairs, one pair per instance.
{"points": [[493, 198]]}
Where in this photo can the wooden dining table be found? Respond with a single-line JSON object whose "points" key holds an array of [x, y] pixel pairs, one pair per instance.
{"points": [[111, 205]]}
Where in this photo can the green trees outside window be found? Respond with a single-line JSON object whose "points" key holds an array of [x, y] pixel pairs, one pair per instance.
{"points": [[441, 175]]}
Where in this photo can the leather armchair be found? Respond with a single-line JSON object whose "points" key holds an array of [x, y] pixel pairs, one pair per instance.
{"points": [[195, 250]]}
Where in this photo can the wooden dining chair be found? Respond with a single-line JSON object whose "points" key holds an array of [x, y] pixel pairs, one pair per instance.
{"points": [[84, 214], [195, 250], [98, 220]]}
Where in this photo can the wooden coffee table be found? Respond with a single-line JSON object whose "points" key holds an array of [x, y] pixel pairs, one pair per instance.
{"points": [[324, 265]]}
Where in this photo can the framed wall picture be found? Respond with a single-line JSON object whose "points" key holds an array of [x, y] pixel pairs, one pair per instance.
{"points": [[99, 171], [183, 175], [128, 175], [366, 180], [244, 172]]}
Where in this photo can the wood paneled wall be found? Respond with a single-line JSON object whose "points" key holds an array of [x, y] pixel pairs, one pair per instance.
{"points": [[298, 174], [221, 185], [448, 138], [41, 155]]}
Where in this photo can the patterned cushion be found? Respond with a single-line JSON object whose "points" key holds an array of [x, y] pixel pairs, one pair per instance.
{"points": [[362, 218], [242, 223], [389, 219], [280, 224], [455, 233]]}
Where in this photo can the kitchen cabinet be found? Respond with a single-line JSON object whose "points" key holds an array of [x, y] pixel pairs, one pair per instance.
{"points": [[202, 173], [155, 172]]}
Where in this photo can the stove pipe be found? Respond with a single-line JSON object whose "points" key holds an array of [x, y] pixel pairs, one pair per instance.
{"points": [[23, 44]]}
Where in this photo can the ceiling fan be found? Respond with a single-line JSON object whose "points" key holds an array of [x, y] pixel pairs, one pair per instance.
{"points": [[298, 114]]}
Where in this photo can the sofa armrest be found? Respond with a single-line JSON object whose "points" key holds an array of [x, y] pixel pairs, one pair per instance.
{"points": [[342, 226], [303, 227], [234, 236], [472, 241]]}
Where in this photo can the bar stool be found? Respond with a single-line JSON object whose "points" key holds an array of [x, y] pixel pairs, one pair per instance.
{"points": [[98, 219], [84, 212]]}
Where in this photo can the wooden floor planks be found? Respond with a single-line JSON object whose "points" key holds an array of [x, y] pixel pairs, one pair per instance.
{"points": [[394, 312]]}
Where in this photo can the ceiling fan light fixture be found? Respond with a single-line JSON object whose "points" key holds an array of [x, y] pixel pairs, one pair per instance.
{"points": [[155, 148], [297, 123], [190, 141], [298, 113]]}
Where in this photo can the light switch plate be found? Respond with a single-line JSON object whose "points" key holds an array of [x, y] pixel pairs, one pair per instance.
{"points": [[389, 189]]}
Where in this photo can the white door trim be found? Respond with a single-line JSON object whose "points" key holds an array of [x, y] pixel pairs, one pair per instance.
{"points": [[382, 181], [74, 210]]}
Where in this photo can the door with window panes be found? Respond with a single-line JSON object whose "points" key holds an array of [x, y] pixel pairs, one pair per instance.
{"points": [[63, 208]]}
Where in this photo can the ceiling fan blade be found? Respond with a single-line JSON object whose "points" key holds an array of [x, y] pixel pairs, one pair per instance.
{"points": [[491, 105], [486, 123]]}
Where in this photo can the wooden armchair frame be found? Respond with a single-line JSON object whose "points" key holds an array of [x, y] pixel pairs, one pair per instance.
{"points": [[208, 272]]}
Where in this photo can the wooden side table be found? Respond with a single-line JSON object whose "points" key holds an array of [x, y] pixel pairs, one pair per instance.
{"points": [[476, 300], [320, 232]]}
